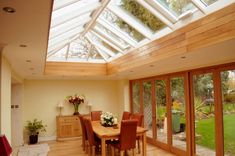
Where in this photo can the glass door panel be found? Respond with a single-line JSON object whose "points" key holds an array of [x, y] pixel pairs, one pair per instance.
{"points": [[228, 96], [147, 102], [136, 97], [178, 113], [161, 110], [203, 90]]}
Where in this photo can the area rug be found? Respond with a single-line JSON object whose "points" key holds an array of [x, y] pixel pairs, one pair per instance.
{"points": [[34, 150]]}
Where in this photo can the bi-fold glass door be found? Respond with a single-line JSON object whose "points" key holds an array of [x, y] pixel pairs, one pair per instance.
{"points": [[162, 101], [213, 101], [171, 116], [227, 82], [203, 111], [192, 113]]}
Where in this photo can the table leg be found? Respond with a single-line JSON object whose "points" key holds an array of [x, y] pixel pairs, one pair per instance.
{"points": [[144, 144], [103, 150]]}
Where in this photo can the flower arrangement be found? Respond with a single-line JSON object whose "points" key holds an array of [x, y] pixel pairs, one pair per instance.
{"points": [[75, 100], [107, 119]]}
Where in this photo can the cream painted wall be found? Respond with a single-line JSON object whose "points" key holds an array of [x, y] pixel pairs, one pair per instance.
{"points": [[42, 96], [5, 102]]}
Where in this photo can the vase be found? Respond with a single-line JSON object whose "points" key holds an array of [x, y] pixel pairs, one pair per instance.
{"points": [[33, 139], [76, 113]]}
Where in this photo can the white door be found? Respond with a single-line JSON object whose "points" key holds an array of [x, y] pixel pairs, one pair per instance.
{"points": [[16, 115]]}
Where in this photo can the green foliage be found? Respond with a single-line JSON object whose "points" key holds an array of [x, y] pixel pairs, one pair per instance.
{"points": [[161, 112], [209, 2], [224, 80], [145, 16], [178, 5], [203, 85], [142, 14], [147, 93], [160, 87], [123, 25], [177, 89], [35, 126]]}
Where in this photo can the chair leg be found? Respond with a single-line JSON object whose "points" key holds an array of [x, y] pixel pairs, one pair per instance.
{"points": [[133, 151], [93, 150], [86, 146], [138, 142], [122, 153], [83, 144], [89, 150], [112, 151]]}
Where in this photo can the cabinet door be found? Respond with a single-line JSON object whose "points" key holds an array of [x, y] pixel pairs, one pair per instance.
{"points": [[66, 130], [76, 129]]}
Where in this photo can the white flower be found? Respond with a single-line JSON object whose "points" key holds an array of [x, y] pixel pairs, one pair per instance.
{"points": [[107, 118], [115, 121]]}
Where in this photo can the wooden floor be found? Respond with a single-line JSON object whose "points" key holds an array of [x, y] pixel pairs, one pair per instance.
{"points": [[74, 148]]}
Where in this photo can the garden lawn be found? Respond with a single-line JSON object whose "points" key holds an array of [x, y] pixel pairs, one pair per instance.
{"points": [[206, 129]]}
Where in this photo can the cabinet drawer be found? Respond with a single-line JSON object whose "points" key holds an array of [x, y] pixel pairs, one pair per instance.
{"points": [[68, 119]]}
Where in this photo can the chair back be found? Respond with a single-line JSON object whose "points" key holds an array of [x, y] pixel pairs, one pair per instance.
{"points": [[89, 132], [127, 136], [5, 148], [84, 135], [126, 115], [95, 115], [139, 117]]}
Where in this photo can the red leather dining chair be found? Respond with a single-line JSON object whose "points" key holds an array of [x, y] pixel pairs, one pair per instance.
{"points": [[84, 134], [95, 115], [126, 115], [127, 138], [139, 117], [5, 148], [92, 139]]}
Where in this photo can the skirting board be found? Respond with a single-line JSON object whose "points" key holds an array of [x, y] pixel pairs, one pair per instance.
{"points": [[47, 138], [69, 138]]}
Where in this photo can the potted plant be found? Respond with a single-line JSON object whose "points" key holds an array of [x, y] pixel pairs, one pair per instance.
{"points": [[33, 128]]}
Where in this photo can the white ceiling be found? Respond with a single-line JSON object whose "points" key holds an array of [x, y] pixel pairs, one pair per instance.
{"points": [[29, 25]]}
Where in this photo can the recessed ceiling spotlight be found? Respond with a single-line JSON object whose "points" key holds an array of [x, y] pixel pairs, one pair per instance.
{"points": [[23, 45], [183, 57], [28, 61], [9, 9]]}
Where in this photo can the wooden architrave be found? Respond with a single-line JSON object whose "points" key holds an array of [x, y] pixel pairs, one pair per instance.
{"points": [[75, 69]]}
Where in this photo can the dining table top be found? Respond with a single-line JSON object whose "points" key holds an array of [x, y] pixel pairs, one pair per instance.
{"points": [[102, 131]]}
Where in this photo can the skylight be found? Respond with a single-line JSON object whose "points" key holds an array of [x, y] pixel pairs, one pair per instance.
{"points": [[209, 2], [100, 31], [177, 7]]}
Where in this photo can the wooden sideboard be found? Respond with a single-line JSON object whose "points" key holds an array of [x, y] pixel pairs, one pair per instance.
{"points": [[68, 127]]}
